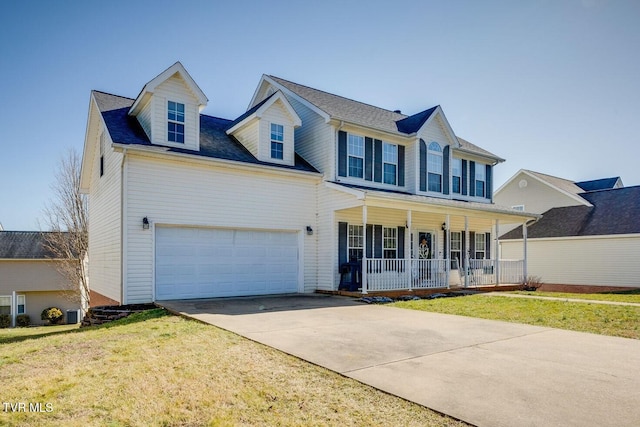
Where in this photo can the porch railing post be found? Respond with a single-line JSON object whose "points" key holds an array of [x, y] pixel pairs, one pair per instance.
{"points": [[363, 273], [447, 261], [524, 262], [497, 252], [407, 251], [467, 267]]}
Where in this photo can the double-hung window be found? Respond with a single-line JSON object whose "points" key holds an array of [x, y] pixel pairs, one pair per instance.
{"points": [[434, 167], [480, 245], [5, 304], [456, 172], [355, 242], [480, 180], [390, 163], [277, 141], [175, 118], [390, 242], [21, 304], [355, 153], [456, 248]]}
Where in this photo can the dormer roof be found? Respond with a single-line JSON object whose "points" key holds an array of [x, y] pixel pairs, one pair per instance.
{"points": [[150, 87], [257, 111]]}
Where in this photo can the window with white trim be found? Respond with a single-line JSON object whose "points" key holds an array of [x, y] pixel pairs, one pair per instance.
{"points": [[480, 180], [277, 141], [5, 304], [175, 119], [355, 242], [389, 163], [390, 242], [456, 247], [434, 167], [355, 155], [456, 172], [480, 246], [22, 304]]}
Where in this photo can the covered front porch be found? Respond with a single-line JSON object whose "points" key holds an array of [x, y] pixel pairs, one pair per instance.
{"points": [[401, 242]]}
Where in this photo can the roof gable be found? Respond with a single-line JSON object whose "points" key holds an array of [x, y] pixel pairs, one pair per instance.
{"points": [[258, 110], [151, 86], [564, 186]]}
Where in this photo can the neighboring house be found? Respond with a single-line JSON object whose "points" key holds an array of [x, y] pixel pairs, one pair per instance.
{"points": [[185, 205], [589, 233], [30, 280]]}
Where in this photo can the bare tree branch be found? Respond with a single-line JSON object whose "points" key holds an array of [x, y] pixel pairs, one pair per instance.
{"points": [[66, 217]]}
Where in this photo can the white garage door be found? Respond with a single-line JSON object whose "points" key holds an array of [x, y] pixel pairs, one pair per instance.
{"points": [[207, 263]]}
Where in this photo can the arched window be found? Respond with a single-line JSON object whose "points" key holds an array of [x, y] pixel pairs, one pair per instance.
{"points": [[434, 167]]}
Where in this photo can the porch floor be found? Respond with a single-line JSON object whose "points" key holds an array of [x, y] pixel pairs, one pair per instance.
{"points": [[426, 292]]}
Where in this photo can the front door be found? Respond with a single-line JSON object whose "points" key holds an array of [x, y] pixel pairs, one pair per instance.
{"points": [[425, 245]]}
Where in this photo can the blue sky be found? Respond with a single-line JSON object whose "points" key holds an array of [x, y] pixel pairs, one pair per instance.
{"points": [[552, 85]]}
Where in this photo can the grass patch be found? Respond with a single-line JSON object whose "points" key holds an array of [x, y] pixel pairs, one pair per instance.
{"points": [[153, 369], [620, 321], [10, 335], [625, 296]]}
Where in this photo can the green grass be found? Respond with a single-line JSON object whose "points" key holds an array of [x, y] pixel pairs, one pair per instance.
{"points": [[153, 369], [620, 321], [626, 296]]}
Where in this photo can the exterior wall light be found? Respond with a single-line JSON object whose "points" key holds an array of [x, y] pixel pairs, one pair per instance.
{"points": [[309, 230], [444, 226], [145, 223]]}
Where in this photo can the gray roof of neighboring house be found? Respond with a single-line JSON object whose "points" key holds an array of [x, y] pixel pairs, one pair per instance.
{"points": [[598, 184], [214, 141], [359, 113], [24, 245], [561, 183], [614, 211]]}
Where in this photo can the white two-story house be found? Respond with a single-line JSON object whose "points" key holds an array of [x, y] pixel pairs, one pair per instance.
{"points": [[302, 187]]}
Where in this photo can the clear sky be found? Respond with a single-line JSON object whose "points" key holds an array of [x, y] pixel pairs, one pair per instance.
{"points": [[549, 85]]}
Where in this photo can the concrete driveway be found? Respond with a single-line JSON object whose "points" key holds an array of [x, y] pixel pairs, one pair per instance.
{"points": [[485, 372]]}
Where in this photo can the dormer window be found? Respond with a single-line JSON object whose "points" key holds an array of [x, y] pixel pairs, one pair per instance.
{"points": [[355, 148], [277, 141], [175, 117], [434, 166], [390, 163]]}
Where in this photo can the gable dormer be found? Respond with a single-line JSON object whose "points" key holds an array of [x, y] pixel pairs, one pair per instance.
{"points": [[267, 130], [168, 109]]}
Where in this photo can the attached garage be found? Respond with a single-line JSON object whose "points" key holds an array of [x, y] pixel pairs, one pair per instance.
{"points": [[212, 262]]}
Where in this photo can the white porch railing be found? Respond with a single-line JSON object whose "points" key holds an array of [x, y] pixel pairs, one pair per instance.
{"points": [[398, 274], [483, 272], [511, 271]]}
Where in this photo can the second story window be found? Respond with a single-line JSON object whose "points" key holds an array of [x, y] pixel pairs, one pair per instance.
{"points": [[390, 163], [456, 172], [480, 180], [277, 141], [355, 153], [175, 117], [434, 167]]}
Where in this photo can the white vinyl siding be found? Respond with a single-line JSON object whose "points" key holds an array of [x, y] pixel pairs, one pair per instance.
{"points": [[595, 261], [170, 193]]}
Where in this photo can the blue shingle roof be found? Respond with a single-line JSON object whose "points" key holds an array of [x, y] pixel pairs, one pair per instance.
{"points": [[413, 123], [598, 184], [214, 141]]}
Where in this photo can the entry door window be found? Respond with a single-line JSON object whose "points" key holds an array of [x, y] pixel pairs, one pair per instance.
{"points": [[425, 245]]}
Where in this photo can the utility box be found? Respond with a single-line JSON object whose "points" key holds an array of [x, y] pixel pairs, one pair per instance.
{"points": [[73, 316]]}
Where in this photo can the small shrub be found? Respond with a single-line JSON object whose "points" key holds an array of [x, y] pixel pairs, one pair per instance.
{"points": [[531, 283], [52, 314], [5, 320], [23, 320]]}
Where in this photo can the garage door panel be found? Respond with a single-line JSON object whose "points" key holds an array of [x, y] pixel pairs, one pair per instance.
{"points": [[205, 263]]}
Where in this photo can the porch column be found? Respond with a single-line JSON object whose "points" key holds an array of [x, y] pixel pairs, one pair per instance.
{"points": [[497, 251], [363, 274], [467, 247], [447, 237], [407, 251], [524, 240], [14, 308]]}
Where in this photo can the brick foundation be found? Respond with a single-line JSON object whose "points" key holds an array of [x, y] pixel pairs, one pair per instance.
{"points": [[582, 289], [100, 300]]}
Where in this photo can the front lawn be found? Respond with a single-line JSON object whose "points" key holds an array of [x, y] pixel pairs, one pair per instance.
{"points": [[155, 369], [625, 296], [621, 321]]}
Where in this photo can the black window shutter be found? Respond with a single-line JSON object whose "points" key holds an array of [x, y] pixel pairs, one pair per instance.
{"points": [[377, 160], [446, 173], [423, 165], [377, 241], [342, 243], [472, 244], [342, 153], [401, 242], [472, 178], [401, 165], [464, 177], [368, 159], [488, 183], [488, 245], [369, 243]]}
